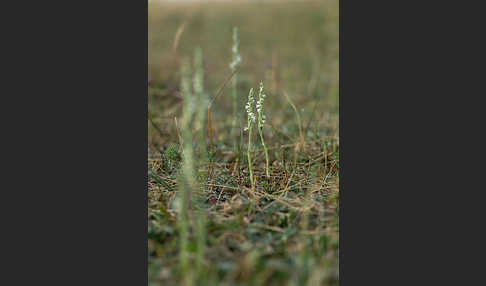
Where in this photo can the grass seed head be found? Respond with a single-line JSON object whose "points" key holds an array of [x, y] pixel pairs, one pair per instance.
{"points": [[236, 50]]}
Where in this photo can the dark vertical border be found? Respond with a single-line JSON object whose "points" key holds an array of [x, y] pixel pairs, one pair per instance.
{"points": [[79, 143], [400, 184]]}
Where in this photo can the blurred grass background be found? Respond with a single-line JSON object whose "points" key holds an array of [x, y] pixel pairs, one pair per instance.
{"points": [[291, 46]]}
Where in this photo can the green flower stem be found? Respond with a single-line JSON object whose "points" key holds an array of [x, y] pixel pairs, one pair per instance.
{"points": [[260, 130], [249, 157], [261, 121], [251, 119]]}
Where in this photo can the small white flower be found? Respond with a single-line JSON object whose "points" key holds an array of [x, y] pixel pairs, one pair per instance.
{"points": [[259, 106]]}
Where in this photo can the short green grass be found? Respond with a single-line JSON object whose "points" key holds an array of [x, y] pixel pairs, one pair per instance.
{"points": [[285, 232]]}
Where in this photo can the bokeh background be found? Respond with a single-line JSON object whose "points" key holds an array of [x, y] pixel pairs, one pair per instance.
{"points": [[292, 46]]}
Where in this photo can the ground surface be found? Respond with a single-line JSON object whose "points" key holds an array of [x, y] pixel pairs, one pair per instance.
{"points": [[285, 232]]}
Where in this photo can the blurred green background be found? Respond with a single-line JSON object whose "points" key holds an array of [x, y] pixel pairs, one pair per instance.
{"points": [[292, 46]]}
